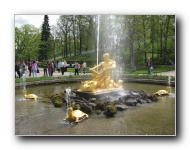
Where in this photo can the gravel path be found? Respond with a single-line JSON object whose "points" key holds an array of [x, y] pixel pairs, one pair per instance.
{"points": [[168, 73]]}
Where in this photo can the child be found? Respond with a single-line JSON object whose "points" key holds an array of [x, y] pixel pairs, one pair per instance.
{"points": [[50, 69]]}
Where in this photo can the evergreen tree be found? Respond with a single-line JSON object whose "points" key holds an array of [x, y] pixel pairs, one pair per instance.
{"points": [[45, 35]]}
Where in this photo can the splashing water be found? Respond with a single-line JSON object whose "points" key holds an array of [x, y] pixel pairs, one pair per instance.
{"points": [[169, 81], [68, 91], [23, 86], [23, 82], [98, 39], [65, 123]]}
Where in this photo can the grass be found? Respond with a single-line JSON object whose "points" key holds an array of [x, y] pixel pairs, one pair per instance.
{"points": [[147, 76], [18, 80], [156, 70]]}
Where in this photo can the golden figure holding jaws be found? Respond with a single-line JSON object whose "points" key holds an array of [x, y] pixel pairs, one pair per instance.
{"points": [[101, 79]]}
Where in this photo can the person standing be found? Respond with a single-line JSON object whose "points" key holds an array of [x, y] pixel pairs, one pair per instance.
{"points": [[65, 66], [62, 67], [148, 64], [84, 67], [53, 68], [50, 69], [29, 68], [23, 67], [17, 69], [45, 69], [59, 66], [34, 69], [79, 67], [76, 68]]}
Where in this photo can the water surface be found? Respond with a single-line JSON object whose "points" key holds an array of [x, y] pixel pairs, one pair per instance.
{"points": [[38, 118]]}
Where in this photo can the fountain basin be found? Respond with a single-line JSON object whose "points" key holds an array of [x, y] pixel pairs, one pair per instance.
{"points": [[98, 93]]}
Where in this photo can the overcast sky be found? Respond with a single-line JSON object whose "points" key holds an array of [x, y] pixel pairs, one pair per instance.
{"points": [[35, 20]]}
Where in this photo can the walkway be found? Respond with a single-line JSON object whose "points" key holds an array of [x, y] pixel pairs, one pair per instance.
{"points": [[55, 74], [168, 73]]}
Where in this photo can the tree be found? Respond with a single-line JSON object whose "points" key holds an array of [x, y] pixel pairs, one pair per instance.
{"points": [[45, 44], [27, 39], [129, 39]]}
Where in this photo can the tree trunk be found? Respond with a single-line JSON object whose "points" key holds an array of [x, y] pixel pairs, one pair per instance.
{"points": [[133, 65], [166, 37], [152, 37], [144, 38]]}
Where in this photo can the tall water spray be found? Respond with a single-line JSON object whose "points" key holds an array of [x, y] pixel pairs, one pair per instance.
{"points": [[169, 82], [98, 39], [68, 91], [23, 84]]}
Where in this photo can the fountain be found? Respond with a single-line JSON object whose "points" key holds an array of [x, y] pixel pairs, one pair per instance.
{"points": [[102, 82], [25, 95], [68, 92], [73, 115], [169, 81], [23, 82], [165, 92]]}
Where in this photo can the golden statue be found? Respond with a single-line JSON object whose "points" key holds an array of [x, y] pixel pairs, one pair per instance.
{"points": [[75, 115], [163, 92], [101, 77], [29, 96]]}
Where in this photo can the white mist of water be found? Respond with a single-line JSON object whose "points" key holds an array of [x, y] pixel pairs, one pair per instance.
{"points": [[23, 86], [169, 80], [68, 91], [169, 83], [98, 39], [23, 82]]}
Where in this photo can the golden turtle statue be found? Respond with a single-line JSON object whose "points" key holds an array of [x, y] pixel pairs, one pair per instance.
{"points": [[29, 96], [75, 115], [163, 92]]}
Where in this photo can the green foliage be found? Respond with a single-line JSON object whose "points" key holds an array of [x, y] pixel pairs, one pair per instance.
{"points": [[89, 58], [45, 46], [27, 39]]}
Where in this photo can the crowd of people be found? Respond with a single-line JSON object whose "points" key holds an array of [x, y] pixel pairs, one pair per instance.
{"points": [[21, 68], [48, 68]]}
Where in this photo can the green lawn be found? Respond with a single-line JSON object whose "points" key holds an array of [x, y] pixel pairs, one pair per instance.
{"points": [[156, 70]]}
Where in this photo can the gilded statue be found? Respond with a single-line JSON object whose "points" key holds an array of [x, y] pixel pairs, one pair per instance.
{"points": [[75, 115], [163, 92], [29, 96], [102, 76]]}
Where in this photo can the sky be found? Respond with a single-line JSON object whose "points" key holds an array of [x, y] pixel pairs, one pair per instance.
{"points": [[35, 20]]}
